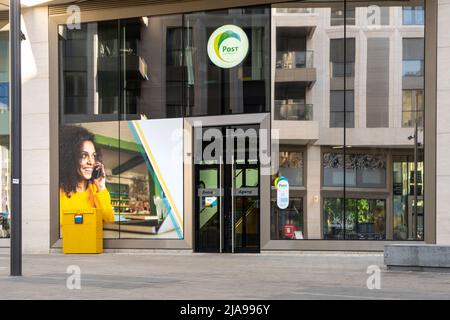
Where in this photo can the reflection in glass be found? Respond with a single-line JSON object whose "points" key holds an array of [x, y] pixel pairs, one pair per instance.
{"points": [[4, 137], [241, 89], [287, 224], [363, 219], [413, 15], [291, 167]]}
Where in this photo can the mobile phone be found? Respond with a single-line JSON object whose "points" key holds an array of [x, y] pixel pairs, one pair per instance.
{"points": [[96, 173]]}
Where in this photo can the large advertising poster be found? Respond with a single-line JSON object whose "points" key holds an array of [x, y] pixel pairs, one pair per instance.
{"points": [[130, 172]]}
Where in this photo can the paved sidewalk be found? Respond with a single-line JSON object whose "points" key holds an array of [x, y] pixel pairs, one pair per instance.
{"points": [[213, 276]]}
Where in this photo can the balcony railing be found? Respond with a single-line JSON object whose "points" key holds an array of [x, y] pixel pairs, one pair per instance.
{"points": [[293, 110], [295, 59]]}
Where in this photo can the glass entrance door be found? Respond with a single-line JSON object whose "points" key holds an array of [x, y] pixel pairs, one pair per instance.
{"points": [[227, 203]]}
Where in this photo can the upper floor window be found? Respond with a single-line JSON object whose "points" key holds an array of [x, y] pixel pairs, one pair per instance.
{"points": [[361, 170], [291, 166], [342, 57], [337, 16], [413, 15], [412, 111], [413, 57], [342, 109]]}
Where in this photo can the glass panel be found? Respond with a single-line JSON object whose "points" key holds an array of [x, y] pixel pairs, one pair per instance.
{"points": [[291, 167], [387, 135], [90, 182], [243, 88], [208, 210], [413, 106], [153, 176], [245, 198], [314, 68], [338, 19], [246, 223], [89, 71], [4, 137], [413, 15], [413, 68], [288, 224], [333, 219], [163, 40], [406, 226], [365, 219]]}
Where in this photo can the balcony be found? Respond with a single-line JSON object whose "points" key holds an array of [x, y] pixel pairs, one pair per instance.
{"points": [[295, 59], [295, 66], [293, 110], [294, 121]]}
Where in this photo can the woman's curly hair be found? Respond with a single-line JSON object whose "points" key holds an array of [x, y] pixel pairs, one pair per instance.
{"points": [[71, 139]]}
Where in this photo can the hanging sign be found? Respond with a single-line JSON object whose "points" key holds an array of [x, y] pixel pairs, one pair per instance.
{"points": [[228, 46], [282, 187]]}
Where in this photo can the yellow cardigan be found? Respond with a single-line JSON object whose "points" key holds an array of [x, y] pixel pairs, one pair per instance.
{"points": [[89, 199]]}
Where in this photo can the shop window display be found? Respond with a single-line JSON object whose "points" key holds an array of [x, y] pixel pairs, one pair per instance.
{"points": [[291, 167], [362, 219], [288, 224], [138, 188]]}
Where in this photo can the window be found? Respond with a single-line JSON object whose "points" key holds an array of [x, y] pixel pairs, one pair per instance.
{"points": [[412, 108], [337, 16], [408, 225], [363, 219], [413, 57], [361, 170], [340, 109], [291, 167], [413, 15], [176, 69], [413, 68], [342, 66], [244, 88], [292, 50], [287, 224]]}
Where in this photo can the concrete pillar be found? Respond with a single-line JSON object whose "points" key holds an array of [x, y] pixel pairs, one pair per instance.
{"points": [[35, 131], [443, 125]]}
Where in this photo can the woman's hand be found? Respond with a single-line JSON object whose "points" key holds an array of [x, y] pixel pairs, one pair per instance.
{"points": [[101, 181]]}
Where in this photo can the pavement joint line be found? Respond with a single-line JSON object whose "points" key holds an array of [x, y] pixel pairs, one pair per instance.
{"points": [[345, 296]]}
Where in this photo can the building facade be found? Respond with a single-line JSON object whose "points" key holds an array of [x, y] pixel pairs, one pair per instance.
{"points": [[345, 101]]}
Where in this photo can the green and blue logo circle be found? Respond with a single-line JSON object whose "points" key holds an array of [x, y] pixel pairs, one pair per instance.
{"points": [[228, 46]]}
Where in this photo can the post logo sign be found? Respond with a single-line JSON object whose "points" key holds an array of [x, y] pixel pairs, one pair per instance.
{"points": [[282, 186], [228, 46]]}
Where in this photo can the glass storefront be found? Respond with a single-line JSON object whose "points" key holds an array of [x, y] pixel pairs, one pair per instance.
{"points": [[342, 84], [4, 137], [124, 83], [362, 170]]}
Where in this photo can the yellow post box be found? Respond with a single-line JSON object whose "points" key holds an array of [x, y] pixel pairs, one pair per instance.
{"points": [[82, 232]]}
